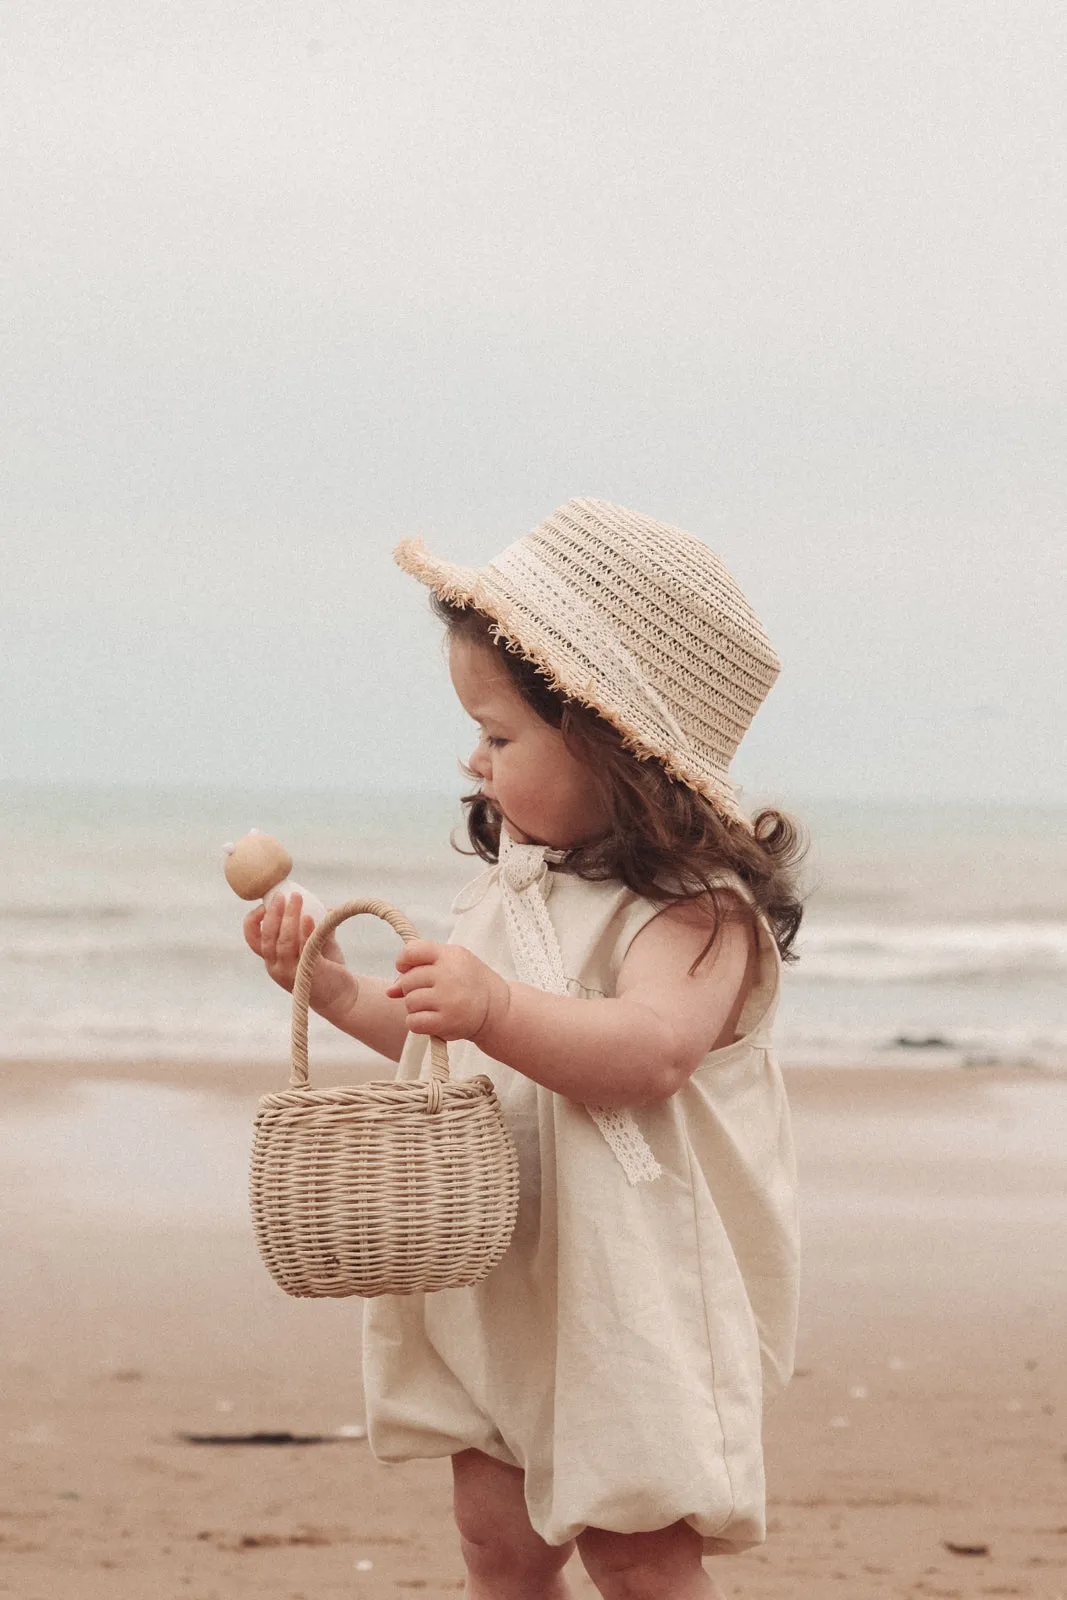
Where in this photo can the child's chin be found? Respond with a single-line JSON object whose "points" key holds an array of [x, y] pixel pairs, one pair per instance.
{"points": [[519, 835]]}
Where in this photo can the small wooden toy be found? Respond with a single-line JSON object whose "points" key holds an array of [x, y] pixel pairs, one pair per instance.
{"points": [[257, 867]]}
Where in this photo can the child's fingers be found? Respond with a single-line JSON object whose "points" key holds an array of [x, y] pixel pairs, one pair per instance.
{"points": [[268, 927], [425, 1022], [278, 931], [408, 982], [289, 932], [420, 952], [268, 933], [251, 927], [397, 991]]}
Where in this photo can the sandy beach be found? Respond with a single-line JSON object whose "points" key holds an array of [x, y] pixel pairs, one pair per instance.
{"points": [[928, 1410]]}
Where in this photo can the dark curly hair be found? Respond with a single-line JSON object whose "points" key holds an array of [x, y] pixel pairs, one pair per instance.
{"points": [[661, 832]]}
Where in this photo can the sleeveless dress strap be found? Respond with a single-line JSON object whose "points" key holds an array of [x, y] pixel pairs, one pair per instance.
{"points": [[762, 1004], [538, 961], [732, 880]]}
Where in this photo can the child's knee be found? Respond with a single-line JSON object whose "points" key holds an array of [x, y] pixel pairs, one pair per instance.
{"points": [[494, 1525], [642, 1566]]}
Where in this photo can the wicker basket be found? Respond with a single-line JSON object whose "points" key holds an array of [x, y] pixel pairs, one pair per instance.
{"points": [[379, 1188]]}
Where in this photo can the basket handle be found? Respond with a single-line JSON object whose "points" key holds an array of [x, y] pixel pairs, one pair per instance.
{"points": [[298, 1078]]}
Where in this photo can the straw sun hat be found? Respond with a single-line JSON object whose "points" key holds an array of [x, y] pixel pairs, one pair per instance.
{"points": [[634, 618]]}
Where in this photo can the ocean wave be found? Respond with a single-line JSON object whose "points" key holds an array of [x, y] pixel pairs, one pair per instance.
{"points": [[160, 1034], [51, 912], [960, 952], [78, 945], [156, 941], [246, 1032]]}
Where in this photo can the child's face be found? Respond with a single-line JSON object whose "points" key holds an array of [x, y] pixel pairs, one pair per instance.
{"points": [[543, 792]]}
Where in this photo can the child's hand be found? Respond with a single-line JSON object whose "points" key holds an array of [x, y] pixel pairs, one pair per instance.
{"points": [[279, 934], [447, 990]]}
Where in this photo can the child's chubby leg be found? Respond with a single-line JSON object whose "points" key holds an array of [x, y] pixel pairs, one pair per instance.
{"points": [[506, 1559], [663, 1565]]}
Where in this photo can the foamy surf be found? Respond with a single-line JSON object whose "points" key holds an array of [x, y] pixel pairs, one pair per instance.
{"points": [[119, 939]]}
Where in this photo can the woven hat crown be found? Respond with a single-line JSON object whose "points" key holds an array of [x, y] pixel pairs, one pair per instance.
{"points": [[635, 618]]}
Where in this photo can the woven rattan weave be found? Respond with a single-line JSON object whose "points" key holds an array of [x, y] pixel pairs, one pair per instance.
{"points": [[379, 1188]]}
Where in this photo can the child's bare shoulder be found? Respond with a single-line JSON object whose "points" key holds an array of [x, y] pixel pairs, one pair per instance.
{"points": [[702, 1006], [686, 925]]}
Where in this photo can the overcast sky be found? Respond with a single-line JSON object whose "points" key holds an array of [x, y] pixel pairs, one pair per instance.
{"points": [[280, 284]]}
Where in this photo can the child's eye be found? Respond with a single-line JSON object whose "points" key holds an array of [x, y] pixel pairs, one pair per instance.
{"points": [[493, 742]]}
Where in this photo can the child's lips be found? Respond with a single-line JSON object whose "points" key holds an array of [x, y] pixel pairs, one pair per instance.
{"points": [[495, 803]]}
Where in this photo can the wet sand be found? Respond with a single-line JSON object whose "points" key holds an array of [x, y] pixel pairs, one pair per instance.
{"points": [[929, 1406]]}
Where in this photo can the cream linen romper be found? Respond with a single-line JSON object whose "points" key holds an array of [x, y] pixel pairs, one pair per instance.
{"points": [[623, 1350]]}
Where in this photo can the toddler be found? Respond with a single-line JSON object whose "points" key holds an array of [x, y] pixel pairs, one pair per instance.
{"points": [[615, 971]]}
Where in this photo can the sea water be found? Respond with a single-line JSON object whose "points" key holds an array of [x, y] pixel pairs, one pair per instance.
{"points": [[932, 934]]}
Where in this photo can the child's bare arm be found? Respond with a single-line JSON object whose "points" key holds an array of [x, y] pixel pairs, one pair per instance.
{"points": [[356, 1005], [638, 1047]]}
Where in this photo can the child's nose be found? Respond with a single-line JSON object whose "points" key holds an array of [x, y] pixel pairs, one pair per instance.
{"points": [[479, 761]]}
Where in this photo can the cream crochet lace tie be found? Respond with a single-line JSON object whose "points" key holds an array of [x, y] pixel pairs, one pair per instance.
{"points": [[538, 961]]}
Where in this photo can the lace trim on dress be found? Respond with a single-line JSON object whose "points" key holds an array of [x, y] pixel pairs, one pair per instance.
{"points": [[538, 961]]}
